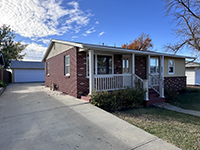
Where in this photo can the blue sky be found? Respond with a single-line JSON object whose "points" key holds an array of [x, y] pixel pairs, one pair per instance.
{"points": [[36, 22]]}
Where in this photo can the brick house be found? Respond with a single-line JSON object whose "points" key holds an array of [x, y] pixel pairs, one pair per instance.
{"points": [[78, 69]]}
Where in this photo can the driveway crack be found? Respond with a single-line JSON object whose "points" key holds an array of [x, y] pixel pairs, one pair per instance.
{"points": [[144, 144]]}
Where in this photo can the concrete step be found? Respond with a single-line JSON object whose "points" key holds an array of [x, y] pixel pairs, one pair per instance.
{"points": [[86, 98]]}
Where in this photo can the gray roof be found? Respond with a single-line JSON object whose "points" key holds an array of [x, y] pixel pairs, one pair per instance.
{"points": [[86, 47], [192, 64], [26, 65]]}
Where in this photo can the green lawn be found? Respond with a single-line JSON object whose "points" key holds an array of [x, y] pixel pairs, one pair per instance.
{"points": [[189, 100], [179, 129]]}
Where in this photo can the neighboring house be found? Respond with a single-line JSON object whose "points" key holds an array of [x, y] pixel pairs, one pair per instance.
{"points": [[27, 71], [192, 72], [78, 68]]}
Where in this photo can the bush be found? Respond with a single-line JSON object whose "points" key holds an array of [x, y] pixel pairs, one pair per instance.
{"points": [[117, 100], [2, 84], [171, 95]]}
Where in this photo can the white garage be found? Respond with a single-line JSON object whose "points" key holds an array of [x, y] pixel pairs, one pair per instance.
{"points": [[192, 72], [26, 71]]}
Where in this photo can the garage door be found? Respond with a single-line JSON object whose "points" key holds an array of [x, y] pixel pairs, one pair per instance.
{"points": [[190, 73], [29, 75]]}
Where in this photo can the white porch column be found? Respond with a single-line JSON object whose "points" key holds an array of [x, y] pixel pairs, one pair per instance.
{"points": [[161, 63], [91, 71], [146, 87], [148, 66], [133, 70], [147, 82]]}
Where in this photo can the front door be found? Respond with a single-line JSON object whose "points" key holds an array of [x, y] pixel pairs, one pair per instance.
{"points": [[126, 63]]}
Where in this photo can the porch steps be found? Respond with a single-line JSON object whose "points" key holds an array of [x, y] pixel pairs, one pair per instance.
{"points": [[86, 98], [154, 98]]}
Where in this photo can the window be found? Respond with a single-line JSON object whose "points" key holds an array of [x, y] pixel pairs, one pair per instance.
{"points": [[154, 65], [47, 66], [126, 65], [67, 65], [104, 64], [171, 66]]}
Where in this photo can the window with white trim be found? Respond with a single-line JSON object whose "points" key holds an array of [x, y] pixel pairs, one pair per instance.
{"points": [[67, 65], [154, 65], [171, 66], [47, 67]]}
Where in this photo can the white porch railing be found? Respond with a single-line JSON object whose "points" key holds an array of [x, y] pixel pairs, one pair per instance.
{"points": [[140, 83], [119, 81], [112, 82], [154, 82], [137, 80]]}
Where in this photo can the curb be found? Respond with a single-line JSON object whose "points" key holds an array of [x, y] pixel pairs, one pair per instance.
{"points": [[2, 90]]}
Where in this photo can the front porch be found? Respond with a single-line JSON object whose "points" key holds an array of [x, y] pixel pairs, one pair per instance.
{"points": [[107, 73]]}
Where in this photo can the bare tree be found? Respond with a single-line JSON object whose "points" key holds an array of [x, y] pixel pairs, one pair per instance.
{"points": [[186, 15]]}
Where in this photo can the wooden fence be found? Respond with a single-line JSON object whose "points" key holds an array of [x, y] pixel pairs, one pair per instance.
{"points": [[5, 76]]}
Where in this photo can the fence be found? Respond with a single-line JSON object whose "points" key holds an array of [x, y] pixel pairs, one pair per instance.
{"points": [[5, 76]]}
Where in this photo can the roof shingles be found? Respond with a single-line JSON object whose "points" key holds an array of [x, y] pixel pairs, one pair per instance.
{"points": [[26, 65]]}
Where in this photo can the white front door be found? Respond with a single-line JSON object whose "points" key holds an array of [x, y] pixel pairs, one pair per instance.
{"points": [[126, 63]]}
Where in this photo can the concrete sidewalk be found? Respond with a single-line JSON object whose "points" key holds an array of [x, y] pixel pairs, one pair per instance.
{"points": [[34, 118], [178, 109]]}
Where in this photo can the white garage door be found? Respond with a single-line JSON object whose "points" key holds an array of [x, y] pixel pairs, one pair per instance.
{"points": [[29, 75], [198, 77], [190, 73]]}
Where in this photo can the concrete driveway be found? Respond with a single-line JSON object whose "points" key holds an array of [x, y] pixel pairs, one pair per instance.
{"points": [[34, 118]]}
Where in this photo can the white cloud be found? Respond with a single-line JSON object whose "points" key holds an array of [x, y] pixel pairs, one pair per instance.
{"points": [[97, 22], [41, 18], [73, 37], [89, 31], [34, 52], [45, 41], [100, 34], [77, 29]]}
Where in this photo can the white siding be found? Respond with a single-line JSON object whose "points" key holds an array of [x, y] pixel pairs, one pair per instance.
{"points": [[28, 75], [190, 73]]}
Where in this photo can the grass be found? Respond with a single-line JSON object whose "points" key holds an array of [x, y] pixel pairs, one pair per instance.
{"points": [[189, 100], [176, 128]]}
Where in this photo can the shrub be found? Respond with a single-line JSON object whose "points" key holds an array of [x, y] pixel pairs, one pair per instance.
{"points": [[2, 84], [117, 100], [170, 95]]}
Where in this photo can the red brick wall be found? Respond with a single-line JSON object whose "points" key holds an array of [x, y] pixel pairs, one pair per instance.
{"points": [[117, 64], [66, 84], [82, 81], [140, 66], [177, 83]]}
